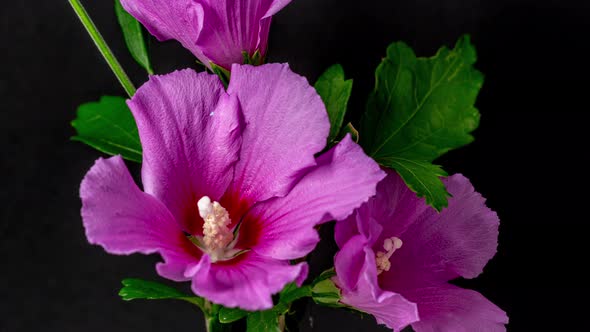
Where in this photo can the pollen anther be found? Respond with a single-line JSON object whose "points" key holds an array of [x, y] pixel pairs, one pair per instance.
{"points": [[382, 258], [216, 233]]}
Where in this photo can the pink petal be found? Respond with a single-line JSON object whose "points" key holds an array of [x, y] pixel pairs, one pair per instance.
{"points": [[124, 220], [350, 261], [235, 26], [287, 124], [190, 133], [165, 19], [451, 309], [357, 278], [343, 179], [276, 6], [345, 230], [438, 247], [247, 282], [392, 210]]}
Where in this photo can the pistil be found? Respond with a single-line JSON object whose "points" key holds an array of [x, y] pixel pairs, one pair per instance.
{"points": [[216, 233], [382, 258]]}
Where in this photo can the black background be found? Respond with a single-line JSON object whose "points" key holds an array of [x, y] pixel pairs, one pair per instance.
{"points": [[528, 158]]}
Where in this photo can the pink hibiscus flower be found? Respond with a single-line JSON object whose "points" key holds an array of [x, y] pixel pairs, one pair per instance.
{"points": [[232, 189], [397, 255], [217, 31]]}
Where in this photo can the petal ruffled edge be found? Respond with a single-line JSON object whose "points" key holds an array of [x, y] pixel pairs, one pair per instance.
{"points": [[438, 247], [122, 219], [248, 282], [343, 179], [283, 114], [452, 309]]}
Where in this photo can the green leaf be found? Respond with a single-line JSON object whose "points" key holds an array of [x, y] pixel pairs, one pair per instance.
{"points": [[293, 293], [134, 38], [335, 92], [134, 289], [420, 109], [215, 325], [263, 321], [143, 289], [108, 126], [230, 315], [288, 295], [422, 177]]}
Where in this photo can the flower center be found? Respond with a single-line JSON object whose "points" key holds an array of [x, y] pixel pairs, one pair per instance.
{"points": [[218, 240], [216, 234], [382, 258]]}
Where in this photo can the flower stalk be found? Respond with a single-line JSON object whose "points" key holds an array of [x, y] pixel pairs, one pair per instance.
{"points": [[212, 323], [103, 47]]}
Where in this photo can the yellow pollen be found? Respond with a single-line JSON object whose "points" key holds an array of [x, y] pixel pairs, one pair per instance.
{"points": [[216, 233], [382, 258]]}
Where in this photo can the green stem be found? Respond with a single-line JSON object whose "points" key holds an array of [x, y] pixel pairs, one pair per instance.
{"points": [[103, 47], [212, 323], [282, 323]]}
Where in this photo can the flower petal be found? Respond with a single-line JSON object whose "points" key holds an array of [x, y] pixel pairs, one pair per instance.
{"points": [[179, 19], [391, 211], [345, 230], [287, 125], [232, 27], [124, 220], [276, 6], [438, 247], [248, 283], [449, 308], [356, 275], [118, 216], [343, 179], [190, 133], [177, 264], [349, 262]]}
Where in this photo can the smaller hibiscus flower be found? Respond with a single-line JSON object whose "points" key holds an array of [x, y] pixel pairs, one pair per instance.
{"points": [[218, 31], [232, 184], [397, 256]]}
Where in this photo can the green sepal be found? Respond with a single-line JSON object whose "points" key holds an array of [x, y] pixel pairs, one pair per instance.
{"points": [[224, 74], [350, 129], [108, 126], [255, 60], [326, 293], [134, 37]]}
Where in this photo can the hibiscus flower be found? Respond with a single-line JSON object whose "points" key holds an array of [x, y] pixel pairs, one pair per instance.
{"points": [[218, 31], [397, 255], [232, 182]]}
